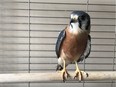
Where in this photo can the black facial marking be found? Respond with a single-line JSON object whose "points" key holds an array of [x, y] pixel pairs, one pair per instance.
{"points": [[71, 25], [83, 19], [80, 23]]}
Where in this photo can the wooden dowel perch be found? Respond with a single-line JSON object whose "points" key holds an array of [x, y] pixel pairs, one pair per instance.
{"points": [[55, 76]]}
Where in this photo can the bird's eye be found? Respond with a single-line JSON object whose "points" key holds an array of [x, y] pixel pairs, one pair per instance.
{"points": [[82, 18]]}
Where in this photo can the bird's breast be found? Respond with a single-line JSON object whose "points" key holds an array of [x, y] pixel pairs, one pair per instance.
{"points": [[74, 45]]}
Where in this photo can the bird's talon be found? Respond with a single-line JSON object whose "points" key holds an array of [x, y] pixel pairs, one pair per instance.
{"points": [[75, 77], [87, 74], [67, 75], [78, 75], [81, 76], [64, 78], [64, 75]]}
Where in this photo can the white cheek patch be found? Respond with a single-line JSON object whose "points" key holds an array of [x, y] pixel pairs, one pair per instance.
{"points": [[74, 28], [72, 16]]}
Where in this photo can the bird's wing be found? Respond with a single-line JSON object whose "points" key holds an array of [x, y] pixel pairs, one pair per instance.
{"points": [[87, 50], [59, 42]]}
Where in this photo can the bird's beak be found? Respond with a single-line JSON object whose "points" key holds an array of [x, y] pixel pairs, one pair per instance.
{"points": [[71, 21]]}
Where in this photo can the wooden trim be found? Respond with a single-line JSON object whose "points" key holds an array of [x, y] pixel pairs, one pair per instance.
{"points": [[55, 76]]}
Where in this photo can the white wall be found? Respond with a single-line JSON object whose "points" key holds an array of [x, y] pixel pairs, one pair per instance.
{"points": [[47, 18]]}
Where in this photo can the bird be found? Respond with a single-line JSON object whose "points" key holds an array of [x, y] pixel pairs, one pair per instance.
{"points": [[73, 44]]}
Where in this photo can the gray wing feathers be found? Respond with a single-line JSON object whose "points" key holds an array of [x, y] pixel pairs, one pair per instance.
{"points": [[59, 42], [87, 50]]}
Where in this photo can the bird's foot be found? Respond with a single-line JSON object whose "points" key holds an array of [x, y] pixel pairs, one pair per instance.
{"points": [[79, 75], [64, 74]]}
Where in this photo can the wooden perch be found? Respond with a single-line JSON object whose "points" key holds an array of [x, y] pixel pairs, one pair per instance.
{"points": [[54, 76]]}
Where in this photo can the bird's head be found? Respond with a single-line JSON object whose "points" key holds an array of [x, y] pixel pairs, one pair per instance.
{"points": [[81, 20]]}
